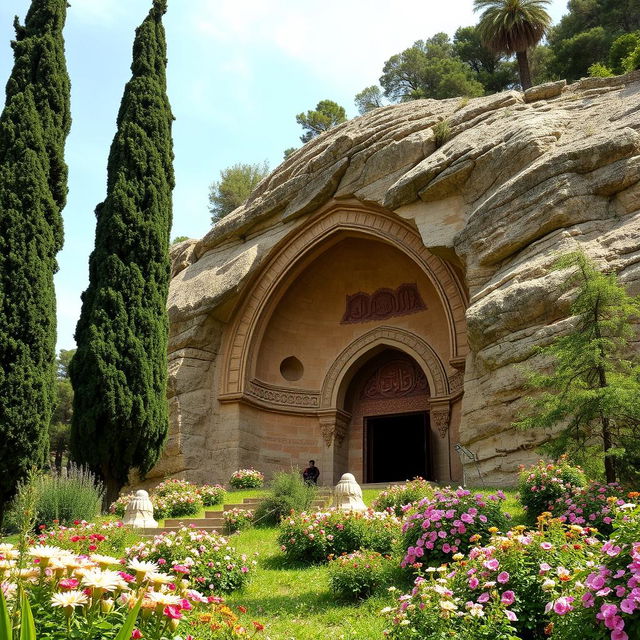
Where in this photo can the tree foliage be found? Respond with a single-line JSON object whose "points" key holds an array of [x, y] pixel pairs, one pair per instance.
{"points": [[368, 99], [586, 33], [513, 27], [592, 393], [234, 187], [326, 115], [428, 69], [60, 425], [119, 372], [33, 186]]}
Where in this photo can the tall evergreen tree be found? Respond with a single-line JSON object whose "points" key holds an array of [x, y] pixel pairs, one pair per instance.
{"points": [[119, 372], [33, 187]]}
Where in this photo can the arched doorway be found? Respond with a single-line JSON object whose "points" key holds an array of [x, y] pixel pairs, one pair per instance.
{"points": [[390, 435]]}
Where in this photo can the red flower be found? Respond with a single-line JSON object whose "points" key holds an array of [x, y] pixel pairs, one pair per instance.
{"points": [[242, 609], [258, 626], [136, 633]]}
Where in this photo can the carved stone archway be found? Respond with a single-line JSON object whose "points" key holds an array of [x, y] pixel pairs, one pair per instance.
{"points": [[241, 340]]}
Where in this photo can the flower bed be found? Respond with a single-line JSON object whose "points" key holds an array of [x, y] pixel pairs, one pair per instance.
{"points": [[85, 538], [592, 506], [97, 596], [398, 498], [318, 537], [211, 494], [543, 483], [205, 560], [246, 479], [450, 522]]}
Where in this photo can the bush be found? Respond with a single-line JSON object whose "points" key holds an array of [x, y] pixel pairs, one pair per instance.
{"points": [[287, 492], [176, 505], [591, 506], [237, 519], [62, 498], [246, 479], [395, 497], [319, 537], [206, 560], [433, 612], [173, 485], [211, 494], [358, 575], [543, 483], [437, 528]]}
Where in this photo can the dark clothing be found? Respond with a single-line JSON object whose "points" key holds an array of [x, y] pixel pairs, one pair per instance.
{"points": [[311, 474]]}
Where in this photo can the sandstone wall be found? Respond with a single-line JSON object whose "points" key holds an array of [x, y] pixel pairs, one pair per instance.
{"points": [[518, 179]]}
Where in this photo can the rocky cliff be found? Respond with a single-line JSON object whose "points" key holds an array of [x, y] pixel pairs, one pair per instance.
{"points": [[498, 185]]}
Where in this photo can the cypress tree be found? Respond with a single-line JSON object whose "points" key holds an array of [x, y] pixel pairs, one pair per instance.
{"points": [[119, 372], [34, 125]]}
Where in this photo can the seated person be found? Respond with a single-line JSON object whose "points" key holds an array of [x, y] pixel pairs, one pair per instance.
{"points": [[311, 474]]}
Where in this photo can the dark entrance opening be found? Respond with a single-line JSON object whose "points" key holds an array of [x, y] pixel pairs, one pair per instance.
{"points": [[397, 447]]}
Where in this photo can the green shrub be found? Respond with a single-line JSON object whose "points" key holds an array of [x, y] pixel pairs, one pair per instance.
{"points": [[287, 492], [62, 498], [395, 497], [318, 537], [542, 484], [598, 70], [358, 575], [173, 485]]}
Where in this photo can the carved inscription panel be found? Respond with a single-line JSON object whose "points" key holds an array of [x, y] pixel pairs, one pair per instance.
{"points": [[396, 379], [383, 303]]}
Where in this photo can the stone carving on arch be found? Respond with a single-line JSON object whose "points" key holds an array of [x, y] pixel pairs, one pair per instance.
{"points": [[401, 339], [243, 335]]}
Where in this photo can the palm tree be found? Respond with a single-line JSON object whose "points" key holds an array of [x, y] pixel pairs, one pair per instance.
{"points": [[513, 26]]}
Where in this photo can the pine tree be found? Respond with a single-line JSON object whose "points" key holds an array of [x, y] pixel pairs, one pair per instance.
{"points": [[593, 390], [33, 187], [119, 372]]}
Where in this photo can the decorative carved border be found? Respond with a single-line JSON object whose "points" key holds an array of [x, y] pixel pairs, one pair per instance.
{"points": [[240, 338], [395, 294], [393, 337], [283, 396]]}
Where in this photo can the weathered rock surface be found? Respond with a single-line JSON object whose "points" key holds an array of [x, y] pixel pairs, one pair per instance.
{"points": [[520, 178]]}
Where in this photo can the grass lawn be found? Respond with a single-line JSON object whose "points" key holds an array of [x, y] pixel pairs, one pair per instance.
{"points": [[295, 603]]}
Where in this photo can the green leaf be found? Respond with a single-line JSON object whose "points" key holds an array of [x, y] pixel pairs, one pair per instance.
{"points": [[5, 619], [129, 623], [27, 625]]}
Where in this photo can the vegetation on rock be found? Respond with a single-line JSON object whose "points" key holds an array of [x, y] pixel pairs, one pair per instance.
{"points": [[233, 188]]}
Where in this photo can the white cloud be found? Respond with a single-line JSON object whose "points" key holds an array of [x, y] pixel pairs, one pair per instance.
{"points": [[336, 40]]}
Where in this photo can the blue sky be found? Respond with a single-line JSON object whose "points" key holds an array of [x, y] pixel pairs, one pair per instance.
{"points": [[239, 71]]}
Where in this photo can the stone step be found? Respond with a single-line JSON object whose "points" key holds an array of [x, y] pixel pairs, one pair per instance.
{"points": [[207, 521]]}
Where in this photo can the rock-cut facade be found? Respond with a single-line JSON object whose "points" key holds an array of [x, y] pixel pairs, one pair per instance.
{"points": [[378, 299]]}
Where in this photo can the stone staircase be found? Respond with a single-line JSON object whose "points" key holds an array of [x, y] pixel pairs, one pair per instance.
{"points": [[214, 520]]}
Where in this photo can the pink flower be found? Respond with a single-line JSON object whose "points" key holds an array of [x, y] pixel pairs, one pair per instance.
{"points": [[68, 583], [619, 634], [563, 605], [136, 633], [473, 583], [588, 600], [503, 577], [546, 545], [510, 615], [508, 598], [172, 611], [483, 597], [492, 564]]}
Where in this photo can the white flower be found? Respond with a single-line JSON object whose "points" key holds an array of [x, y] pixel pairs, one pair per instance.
{"points": [[70, 599], [44, 553], [142, 567], [158, 578], [103, 561], [106, 580], [163, 598]]}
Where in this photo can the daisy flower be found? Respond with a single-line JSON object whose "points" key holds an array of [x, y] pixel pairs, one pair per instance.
{"points": [[69, 600]]}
